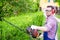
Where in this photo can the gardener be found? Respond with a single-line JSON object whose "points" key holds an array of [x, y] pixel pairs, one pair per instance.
{"points": [[50, 28]]}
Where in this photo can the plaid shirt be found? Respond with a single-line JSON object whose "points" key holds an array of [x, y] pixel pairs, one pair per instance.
{"points": [[51, 24]]}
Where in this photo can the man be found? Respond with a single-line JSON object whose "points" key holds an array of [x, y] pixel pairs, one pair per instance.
{"points": [[50, 28]]}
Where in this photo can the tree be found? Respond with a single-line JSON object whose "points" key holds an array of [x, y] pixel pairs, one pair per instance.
{"points": [[58, 2]]}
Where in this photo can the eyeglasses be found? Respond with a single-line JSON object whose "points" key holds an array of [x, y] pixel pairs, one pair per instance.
{"points": [[48, 10]]}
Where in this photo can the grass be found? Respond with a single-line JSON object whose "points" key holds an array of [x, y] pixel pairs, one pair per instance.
{"points": [[58, 32], [58, 15]]}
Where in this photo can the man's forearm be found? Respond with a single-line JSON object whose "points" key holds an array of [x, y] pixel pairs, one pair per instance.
{"points": [[42, 28]]}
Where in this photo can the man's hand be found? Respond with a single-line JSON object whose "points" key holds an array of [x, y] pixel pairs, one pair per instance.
{"points": [[34, 27]]}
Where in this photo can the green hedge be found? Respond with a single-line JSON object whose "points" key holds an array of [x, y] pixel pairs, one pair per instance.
{"points": [[23, 21], [13, 7]]}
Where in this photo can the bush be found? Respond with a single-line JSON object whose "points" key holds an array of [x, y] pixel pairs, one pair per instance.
{"points": [[13, 7], [23, 21]]}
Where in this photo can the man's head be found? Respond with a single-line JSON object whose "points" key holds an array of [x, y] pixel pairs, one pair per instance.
{"points": [[49, 10]]}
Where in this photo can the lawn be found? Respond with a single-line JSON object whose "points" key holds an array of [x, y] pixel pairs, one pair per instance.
{"points": [[58, 32]]}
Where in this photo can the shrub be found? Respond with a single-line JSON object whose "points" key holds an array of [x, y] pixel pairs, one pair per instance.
{"points": [[23, 21], [13, 7]]}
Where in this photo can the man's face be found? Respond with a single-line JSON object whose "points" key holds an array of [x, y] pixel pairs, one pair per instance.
{"points": [[48, 12]]}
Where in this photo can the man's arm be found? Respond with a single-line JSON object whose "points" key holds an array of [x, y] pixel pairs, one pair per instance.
{"points": [[42, 28], [47, 26]]}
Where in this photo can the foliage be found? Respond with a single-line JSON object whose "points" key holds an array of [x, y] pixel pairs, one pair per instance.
{"points": [[22, 21], [58, 2], [13, 7]]}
